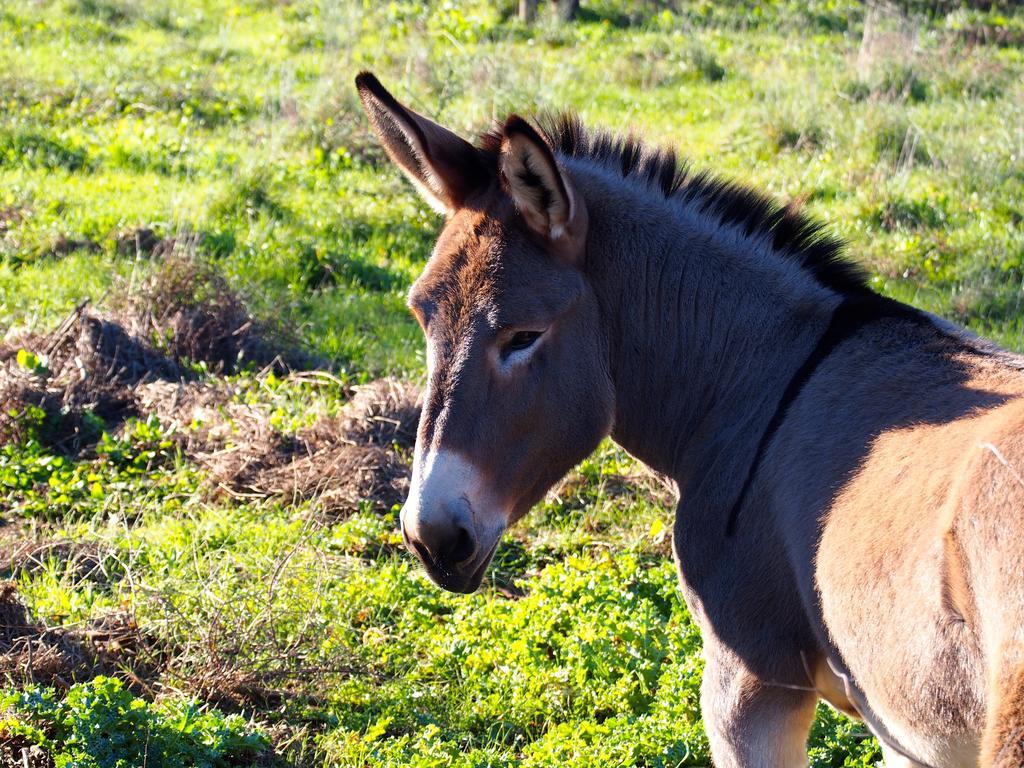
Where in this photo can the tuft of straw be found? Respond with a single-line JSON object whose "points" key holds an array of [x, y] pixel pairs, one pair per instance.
{"points": [[111, 644]]}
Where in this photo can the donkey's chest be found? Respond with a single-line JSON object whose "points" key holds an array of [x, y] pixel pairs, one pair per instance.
{"points": [[743, 600]]}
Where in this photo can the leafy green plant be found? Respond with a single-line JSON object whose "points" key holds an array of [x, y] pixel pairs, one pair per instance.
{"points": [[142, 446], [31, 362], [143, 461], [100, 724]]}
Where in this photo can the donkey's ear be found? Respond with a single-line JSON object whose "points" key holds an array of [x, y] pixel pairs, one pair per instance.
{"points": [[542, 190], [445, 168]]}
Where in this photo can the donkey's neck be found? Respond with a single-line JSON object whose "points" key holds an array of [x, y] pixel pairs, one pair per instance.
{"points": [[706, 327]]}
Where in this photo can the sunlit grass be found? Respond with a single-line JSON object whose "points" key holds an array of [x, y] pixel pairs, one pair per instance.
{"points": [[234, 128]]}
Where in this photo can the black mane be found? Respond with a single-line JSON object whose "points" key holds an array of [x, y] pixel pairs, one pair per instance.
{"points": [[792, 233]]}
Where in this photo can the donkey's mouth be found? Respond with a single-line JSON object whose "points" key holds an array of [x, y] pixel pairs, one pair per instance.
{"points": [[462, 580]]}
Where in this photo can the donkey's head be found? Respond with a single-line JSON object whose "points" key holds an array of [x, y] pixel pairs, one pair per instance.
{"points": [[518, 386]]}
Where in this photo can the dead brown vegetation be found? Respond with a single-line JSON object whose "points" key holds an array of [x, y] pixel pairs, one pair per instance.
{"points": [[97, 369], [112, 644], [82, 561], [91, 365], [189, 313], [361, 455], [137, 358], [144, 241]]}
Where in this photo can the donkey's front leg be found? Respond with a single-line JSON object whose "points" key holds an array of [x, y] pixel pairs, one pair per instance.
{"points": [[749, 722]]}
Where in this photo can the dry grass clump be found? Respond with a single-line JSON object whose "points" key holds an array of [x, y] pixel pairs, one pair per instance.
{"points": [[83, 371], [83, 561], [94, 372], [359, 455], [338, 477], [86, 372], [188, 311], [144, 241], [383, 413], [339, 462], [222, 684], [111, 644], [98, 368]]}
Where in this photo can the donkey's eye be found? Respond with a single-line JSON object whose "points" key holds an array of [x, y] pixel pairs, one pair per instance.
{"points": [[521, 340]]}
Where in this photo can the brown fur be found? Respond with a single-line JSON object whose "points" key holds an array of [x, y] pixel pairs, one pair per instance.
{"points": [[1004, 740], [878, 560]]}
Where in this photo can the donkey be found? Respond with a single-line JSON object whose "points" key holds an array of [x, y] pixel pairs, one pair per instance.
{"points": [[850, 469]]}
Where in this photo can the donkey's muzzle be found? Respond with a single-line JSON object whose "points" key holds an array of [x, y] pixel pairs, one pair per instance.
{"points": [[447, 545]]}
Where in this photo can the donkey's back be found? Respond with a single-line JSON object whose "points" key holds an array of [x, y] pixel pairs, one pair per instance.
{"points": [[920, 565]]}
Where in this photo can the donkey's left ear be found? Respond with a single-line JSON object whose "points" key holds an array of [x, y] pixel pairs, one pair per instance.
{"points": [[542, 190]]}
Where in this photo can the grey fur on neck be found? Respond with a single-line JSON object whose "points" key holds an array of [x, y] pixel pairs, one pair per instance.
{"points": [[724, 319]]}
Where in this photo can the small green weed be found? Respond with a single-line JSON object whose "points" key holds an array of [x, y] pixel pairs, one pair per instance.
{"points": [[99, 724], [142, 462]]}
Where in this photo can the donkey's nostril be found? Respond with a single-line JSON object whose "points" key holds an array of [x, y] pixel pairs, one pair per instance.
{"points": [[462, 547], [455, 548], [442, 540], [421, 551]]}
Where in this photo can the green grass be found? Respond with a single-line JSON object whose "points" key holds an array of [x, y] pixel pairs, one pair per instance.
{"points": [[99, 723], [234, 127]]}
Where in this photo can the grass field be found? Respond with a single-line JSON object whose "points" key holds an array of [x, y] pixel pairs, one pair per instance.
{"points": [[200, 173]]}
